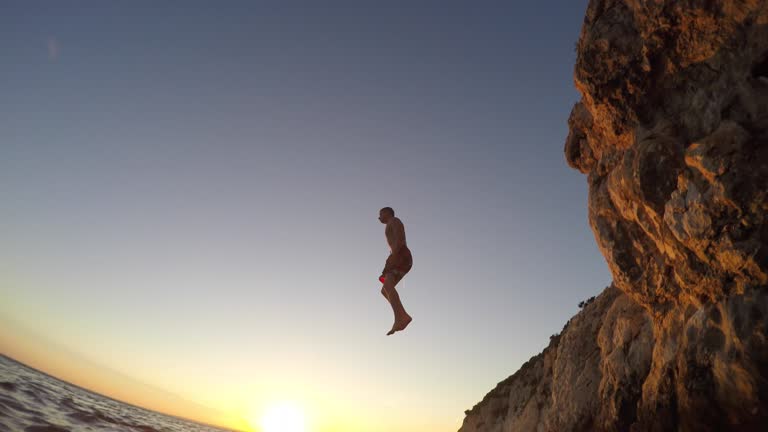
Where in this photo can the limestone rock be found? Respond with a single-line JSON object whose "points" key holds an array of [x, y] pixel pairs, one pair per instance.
{"points": [[672, 134]]}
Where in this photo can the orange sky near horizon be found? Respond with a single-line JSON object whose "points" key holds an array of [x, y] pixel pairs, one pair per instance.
{"points": [[29, 348], [26, 347]]}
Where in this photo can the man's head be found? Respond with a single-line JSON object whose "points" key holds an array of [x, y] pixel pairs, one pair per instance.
{"points": [[386, 214]]}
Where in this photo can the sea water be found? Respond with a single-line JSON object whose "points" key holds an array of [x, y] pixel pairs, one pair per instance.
{"points": [[31, 401]]}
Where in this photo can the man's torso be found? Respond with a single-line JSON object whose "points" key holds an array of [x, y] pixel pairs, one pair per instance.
{"points": [[395, 233]]}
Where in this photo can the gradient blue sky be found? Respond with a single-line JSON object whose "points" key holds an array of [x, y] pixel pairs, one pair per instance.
{"points": [[189, 197]]}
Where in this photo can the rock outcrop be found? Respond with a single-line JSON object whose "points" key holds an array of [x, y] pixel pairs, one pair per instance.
{"points": [[672, 134]]}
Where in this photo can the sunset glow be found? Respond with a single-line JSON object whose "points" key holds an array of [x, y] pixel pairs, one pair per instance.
{"points": [[283, 416]]}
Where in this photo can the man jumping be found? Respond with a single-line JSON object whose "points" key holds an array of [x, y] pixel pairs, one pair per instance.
{"points": [[398, 264]]}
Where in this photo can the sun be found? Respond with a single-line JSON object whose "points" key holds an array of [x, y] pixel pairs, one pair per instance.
{"points": [[283, 416]]}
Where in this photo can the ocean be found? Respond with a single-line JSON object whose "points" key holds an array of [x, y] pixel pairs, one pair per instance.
{"points": [[31, 401]]}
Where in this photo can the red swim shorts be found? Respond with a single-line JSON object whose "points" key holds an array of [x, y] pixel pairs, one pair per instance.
{"points": [[398, 264]]}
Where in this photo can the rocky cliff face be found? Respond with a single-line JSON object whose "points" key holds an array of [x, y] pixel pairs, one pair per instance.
{"points": [[672, 134]]}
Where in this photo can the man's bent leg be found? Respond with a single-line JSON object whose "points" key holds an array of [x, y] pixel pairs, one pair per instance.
{"points": [[402, 319]]}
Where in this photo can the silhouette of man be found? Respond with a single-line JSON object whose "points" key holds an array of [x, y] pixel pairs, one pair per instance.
{"points": [[398, 264]]}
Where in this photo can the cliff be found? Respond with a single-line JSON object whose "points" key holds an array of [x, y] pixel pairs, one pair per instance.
{"points": [[672, 135]]}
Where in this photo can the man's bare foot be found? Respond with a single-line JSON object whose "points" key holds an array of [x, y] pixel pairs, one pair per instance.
{"points": [[400, 325]]}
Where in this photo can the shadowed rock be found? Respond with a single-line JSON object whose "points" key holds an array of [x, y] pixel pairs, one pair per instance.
{"points": [[45, 428]]}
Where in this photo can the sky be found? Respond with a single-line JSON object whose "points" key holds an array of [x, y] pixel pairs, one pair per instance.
{"points": [[189, 196]]}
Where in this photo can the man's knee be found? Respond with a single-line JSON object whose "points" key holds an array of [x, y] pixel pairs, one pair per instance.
{"points": [[389, 283]]}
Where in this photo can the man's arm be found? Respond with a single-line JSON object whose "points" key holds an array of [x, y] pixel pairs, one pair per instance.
{"points": [[397, 235]]}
